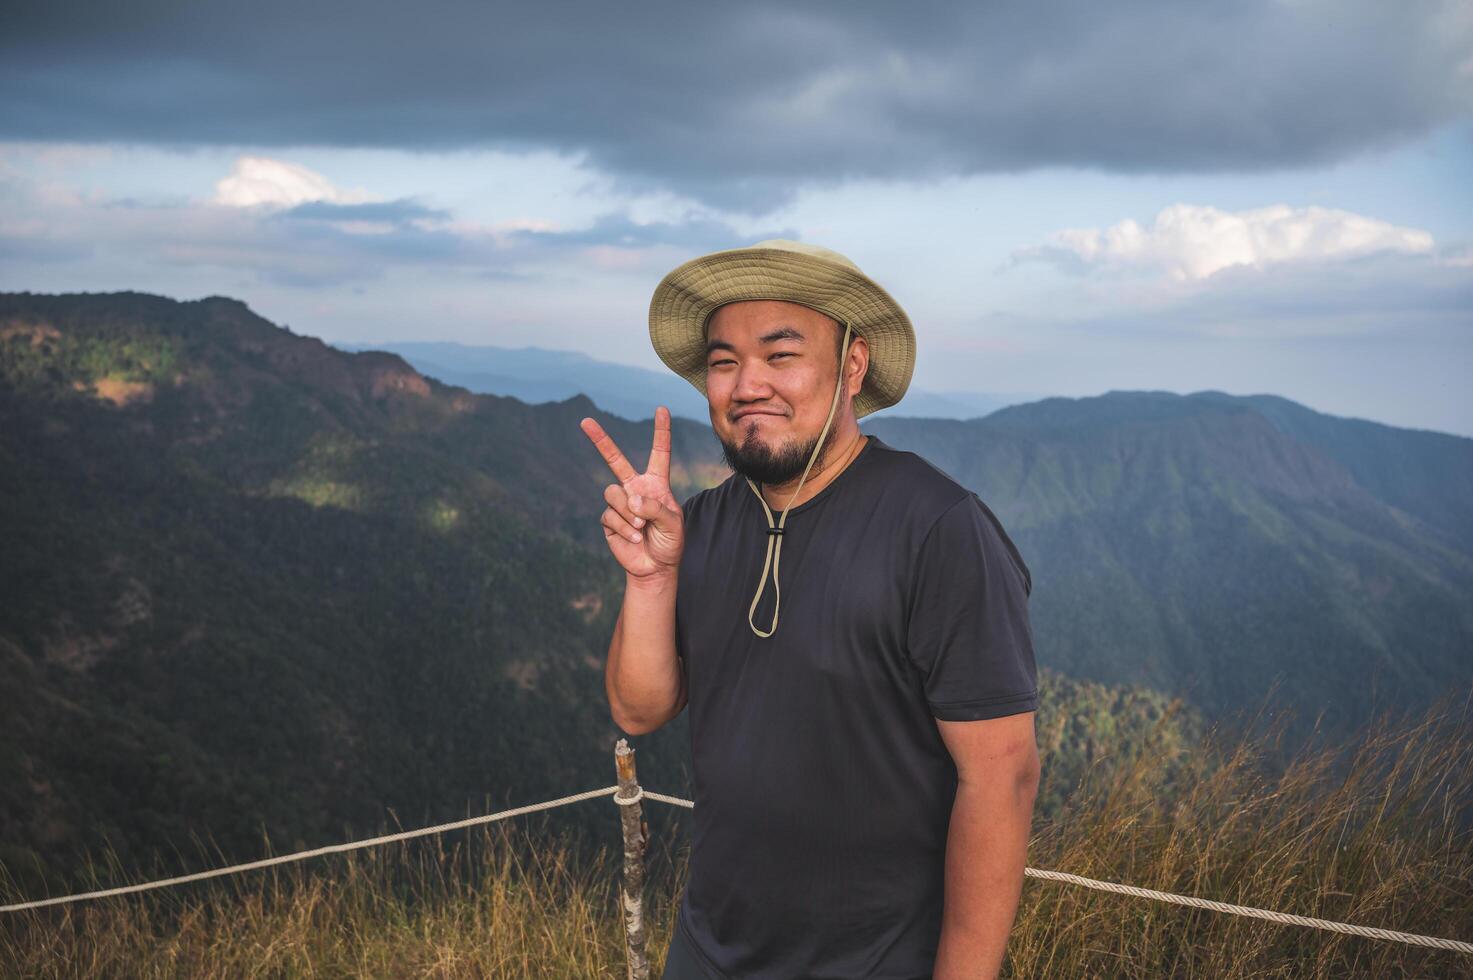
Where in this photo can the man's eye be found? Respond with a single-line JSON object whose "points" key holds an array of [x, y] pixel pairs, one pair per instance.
{"points": [[726, 360]]}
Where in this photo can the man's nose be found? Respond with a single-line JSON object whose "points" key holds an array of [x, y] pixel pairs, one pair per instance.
{"points": [[752, 384]]}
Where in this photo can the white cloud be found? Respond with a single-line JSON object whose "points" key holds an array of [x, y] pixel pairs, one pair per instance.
{"points": [[1191, 241], [276, 183]]}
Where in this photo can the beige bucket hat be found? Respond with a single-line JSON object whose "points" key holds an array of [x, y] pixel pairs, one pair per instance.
{"points": [[797, 272]]}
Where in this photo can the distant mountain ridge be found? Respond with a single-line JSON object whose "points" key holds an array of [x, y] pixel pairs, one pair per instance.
{"points": [[535, 374], [1417, 470]]}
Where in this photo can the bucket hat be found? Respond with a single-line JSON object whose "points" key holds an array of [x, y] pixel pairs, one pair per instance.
{"points": [[816, 277], [797, 272]]}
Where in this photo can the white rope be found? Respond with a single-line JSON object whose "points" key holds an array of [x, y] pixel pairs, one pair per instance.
{"points": [[316, 852], [641, 793], [1281, 917], [677, 801]]}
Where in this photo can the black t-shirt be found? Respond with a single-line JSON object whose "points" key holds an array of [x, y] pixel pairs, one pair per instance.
{"points": [[823, 789]]}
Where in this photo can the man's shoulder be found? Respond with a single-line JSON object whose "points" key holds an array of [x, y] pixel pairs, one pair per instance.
{"points": [[940, 507], [925, 490]]}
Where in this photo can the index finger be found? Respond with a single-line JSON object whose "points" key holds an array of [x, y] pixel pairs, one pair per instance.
{"points": [[660, 451], [623, 472]]}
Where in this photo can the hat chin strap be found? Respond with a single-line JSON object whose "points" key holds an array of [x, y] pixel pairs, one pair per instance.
{"points": [[775, 530]]}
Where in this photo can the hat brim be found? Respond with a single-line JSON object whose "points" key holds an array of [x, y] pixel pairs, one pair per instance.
{"points": [[686, 297]]}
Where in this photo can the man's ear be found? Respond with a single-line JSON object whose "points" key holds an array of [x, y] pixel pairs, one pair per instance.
{"points": [[856, 365]]}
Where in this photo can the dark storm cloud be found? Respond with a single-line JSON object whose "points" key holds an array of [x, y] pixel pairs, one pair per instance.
{"points": [[738, 104]]}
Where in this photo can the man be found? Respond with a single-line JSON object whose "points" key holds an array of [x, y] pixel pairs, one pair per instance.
{"points": [[862, 723]]}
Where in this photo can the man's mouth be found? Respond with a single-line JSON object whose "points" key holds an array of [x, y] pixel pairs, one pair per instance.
{"points": [[749, 412]]}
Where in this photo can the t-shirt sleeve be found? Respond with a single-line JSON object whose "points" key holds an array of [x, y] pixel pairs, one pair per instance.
{"points": [[968, 631]]}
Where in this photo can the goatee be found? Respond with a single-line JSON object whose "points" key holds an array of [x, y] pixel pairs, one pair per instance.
{"points": [[757, 461]]}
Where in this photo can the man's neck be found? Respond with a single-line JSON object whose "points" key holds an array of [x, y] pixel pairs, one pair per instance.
{"points": [[841, 452]]}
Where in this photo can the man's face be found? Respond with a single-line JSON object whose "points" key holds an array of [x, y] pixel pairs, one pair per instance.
{"points": [[771, 367]]}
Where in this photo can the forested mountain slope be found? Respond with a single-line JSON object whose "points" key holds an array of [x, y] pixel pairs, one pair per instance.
{"points": [[1215, 547]]}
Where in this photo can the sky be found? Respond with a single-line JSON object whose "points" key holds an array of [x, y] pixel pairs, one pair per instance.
{"points": [[1068, 198]]}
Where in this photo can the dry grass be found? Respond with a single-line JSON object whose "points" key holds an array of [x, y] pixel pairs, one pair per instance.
{"points": [[1379, 833], [1376, 834], [502, 901]]}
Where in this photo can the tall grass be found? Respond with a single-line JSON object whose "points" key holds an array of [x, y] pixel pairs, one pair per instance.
{"points": [[499, 901], [1375, 833], [1378, 833]]}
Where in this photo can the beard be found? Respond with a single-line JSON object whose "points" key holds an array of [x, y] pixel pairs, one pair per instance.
{"points": [[760, 463]]}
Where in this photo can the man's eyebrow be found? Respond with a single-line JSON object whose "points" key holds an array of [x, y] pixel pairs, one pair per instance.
{"points": [[781, 333]]}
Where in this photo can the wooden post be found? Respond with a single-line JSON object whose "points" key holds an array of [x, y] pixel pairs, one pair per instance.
{"points": [[636, 835]]}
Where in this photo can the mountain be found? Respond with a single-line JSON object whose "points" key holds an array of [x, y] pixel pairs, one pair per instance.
{"points": [[1221, 547], [258, 587], [257, 584], [1421, 472], [534, 374]]}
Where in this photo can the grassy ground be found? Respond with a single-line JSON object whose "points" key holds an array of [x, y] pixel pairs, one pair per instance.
{"points": [[1376, 833]]}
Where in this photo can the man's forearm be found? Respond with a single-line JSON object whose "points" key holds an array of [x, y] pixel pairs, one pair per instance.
{"points": [[986, 851], [644, 679]]}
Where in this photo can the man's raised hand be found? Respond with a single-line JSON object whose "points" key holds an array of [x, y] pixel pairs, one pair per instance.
{"points": [[643, 522]]}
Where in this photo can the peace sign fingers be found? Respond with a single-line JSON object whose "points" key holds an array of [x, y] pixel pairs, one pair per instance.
{"points": [[623, 472], [643, 523], [660, 451]]}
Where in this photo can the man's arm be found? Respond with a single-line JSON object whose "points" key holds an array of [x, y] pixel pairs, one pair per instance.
{"points": [[645, 530], [987, 842], [645, 678]]}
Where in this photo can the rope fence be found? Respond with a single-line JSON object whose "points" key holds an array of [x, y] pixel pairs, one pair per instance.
{"points": [[1283, 918], [315, 852], [627, 793]]}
